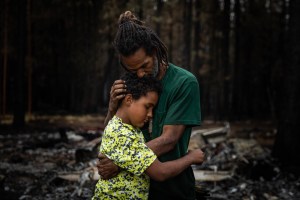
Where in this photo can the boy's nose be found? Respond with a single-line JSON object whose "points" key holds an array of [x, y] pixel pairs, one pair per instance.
{"points": [[149, 115]]}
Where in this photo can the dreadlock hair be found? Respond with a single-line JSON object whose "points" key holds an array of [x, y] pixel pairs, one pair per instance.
{"points": [[138, 87], [133, 34]]}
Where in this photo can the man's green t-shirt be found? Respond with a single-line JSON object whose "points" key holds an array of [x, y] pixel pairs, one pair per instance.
{"points": [[179, 103]]}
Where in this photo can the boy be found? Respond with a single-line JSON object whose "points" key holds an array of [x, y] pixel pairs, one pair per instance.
{"points": [[124, 144]]}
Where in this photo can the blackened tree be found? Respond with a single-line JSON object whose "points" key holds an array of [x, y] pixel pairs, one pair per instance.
{"points": [[287, 146]]}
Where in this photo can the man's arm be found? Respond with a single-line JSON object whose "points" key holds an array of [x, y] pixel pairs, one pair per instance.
{"points": [[168, 139], [108, 117], [116, 93]]}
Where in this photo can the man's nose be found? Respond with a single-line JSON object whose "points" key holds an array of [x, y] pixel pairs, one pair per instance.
{"points": [[140, 73]]}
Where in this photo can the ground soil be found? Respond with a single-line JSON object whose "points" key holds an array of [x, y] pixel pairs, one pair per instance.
{"points": [[53, 157]]}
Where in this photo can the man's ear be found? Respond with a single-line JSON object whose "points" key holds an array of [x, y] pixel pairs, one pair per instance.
{"points": [[128, 99]]}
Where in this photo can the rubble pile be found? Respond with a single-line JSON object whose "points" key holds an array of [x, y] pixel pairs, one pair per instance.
{"points": [[60, 164], [44, 165], [240, 168]]}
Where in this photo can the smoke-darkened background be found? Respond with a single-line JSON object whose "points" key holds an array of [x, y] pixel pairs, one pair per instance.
{"points": [[57, 56]]}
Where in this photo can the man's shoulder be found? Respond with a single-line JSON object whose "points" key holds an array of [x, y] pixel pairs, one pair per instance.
{"points": [[181, 75], [181, 72]]}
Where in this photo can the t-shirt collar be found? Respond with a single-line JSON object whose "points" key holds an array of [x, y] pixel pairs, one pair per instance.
{"points": [[118, 119]]}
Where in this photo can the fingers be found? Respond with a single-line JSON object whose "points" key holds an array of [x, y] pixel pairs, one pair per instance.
{"points": [[105, 161], [102, 169], [118, 88], [106, 172], [117, 92], [101, 156], [119, 82], [105, 169], [106, 176]]}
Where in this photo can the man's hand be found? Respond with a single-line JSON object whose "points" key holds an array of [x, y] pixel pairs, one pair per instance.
{"points": [[106, 168], [117, 92]]}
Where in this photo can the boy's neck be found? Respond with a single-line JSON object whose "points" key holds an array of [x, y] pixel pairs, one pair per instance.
{"points": [[122, 115]]}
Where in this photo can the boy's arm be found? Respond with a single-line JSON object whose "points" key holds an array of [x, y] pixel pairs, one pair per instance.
{"points": [[160, 171], [160, 145]]}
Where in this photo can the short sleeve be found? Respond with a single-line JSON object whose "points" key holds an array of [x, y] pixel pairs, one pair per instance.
{"points": [[128, 151], [185, 107]]}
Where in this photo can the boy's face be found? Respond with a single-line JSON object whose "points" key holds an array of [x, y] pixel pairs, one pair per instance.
{"points": [[140, 111], [140, 63]]}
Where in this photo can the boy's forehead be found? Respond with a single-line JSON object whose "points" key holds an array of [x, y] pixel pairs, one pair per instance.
{"points": [[152, 96]]}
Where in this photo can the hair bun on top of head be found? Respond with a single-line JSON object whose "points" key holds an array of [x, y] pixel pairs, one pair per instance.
{"points": [[129, 17]]}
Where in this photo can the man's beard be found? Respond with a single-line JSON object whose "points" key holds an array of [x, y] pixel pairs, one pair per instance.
{"points": [[155, 67]]}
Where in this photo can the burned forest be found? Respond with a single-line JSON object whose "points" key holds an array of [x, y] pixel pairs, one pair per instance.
{"points": [[58, 64]]}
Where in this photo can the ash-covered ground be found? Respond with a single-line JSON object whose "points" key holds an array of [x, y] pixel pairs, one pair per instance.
{"points": [[49, 160]]}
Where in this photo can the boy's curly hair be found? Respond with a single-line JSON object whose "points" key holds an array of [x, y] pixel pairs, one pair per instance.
{"points": [[133, 34], [138, 87]]}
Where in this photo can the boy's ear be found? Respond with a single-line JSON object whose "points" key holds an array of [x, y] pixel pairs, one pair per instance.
{"points": [[128, 99]]}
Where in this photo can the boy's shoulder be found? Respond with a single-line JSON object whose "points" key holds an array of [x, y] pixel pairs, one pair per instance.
{"points": [[116, 127]]}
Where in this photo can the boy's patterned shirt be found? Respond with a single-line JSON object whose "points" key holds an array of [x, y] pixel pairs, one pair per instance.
{"points": [[125, 146]]}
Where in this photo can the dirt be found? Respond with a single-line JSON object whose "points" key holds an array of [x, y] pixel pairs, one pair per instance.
{"points": [[54, 158]]}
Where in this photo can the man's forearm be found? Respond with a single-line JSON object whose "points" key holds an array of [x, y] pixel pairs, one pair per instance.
{"points": [[108, 117], [168, 139], [159, 146]]}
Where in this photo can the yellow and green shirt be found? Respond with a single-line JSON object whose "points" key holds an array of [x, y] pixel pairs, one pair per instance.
{"points": [[125, 146]]}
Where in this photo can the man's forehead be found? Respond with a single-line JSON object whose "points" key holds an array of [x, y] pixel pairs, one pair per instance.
{"points": [[134, 61]]}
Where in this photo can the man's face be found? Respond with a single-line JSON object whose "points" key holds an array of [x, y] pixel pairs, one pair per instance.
{"points": [[140, 63]]}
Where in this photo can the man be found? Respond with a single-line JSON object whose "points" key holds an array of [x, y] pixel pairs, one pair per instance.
{"points": [[178, 109]]}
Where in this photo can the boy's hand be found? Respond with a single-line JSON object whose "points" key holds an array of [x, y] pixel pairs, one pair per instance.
{"points": [[106, 168], [197, 156]]}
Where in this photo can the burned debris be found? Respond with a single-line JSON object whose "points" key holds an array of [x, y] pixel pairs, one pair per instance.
{"points": [[241, 168], [60, 163]]}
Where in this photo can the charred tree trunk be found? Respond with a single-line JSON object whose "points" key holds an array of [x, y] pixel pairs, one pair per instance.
{"points": [[19, 78], [187, 27], [5, 56], [197, 28], [111, 68], [226, 103], [29, 60], [159, 5], [141, 10], [237, 71], [170, 34], [287, 146], [110, 75]]}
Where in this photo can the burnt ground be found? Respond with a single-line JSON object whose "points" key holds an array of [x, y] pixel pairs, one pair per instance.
{"points": [[54, 158]]}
